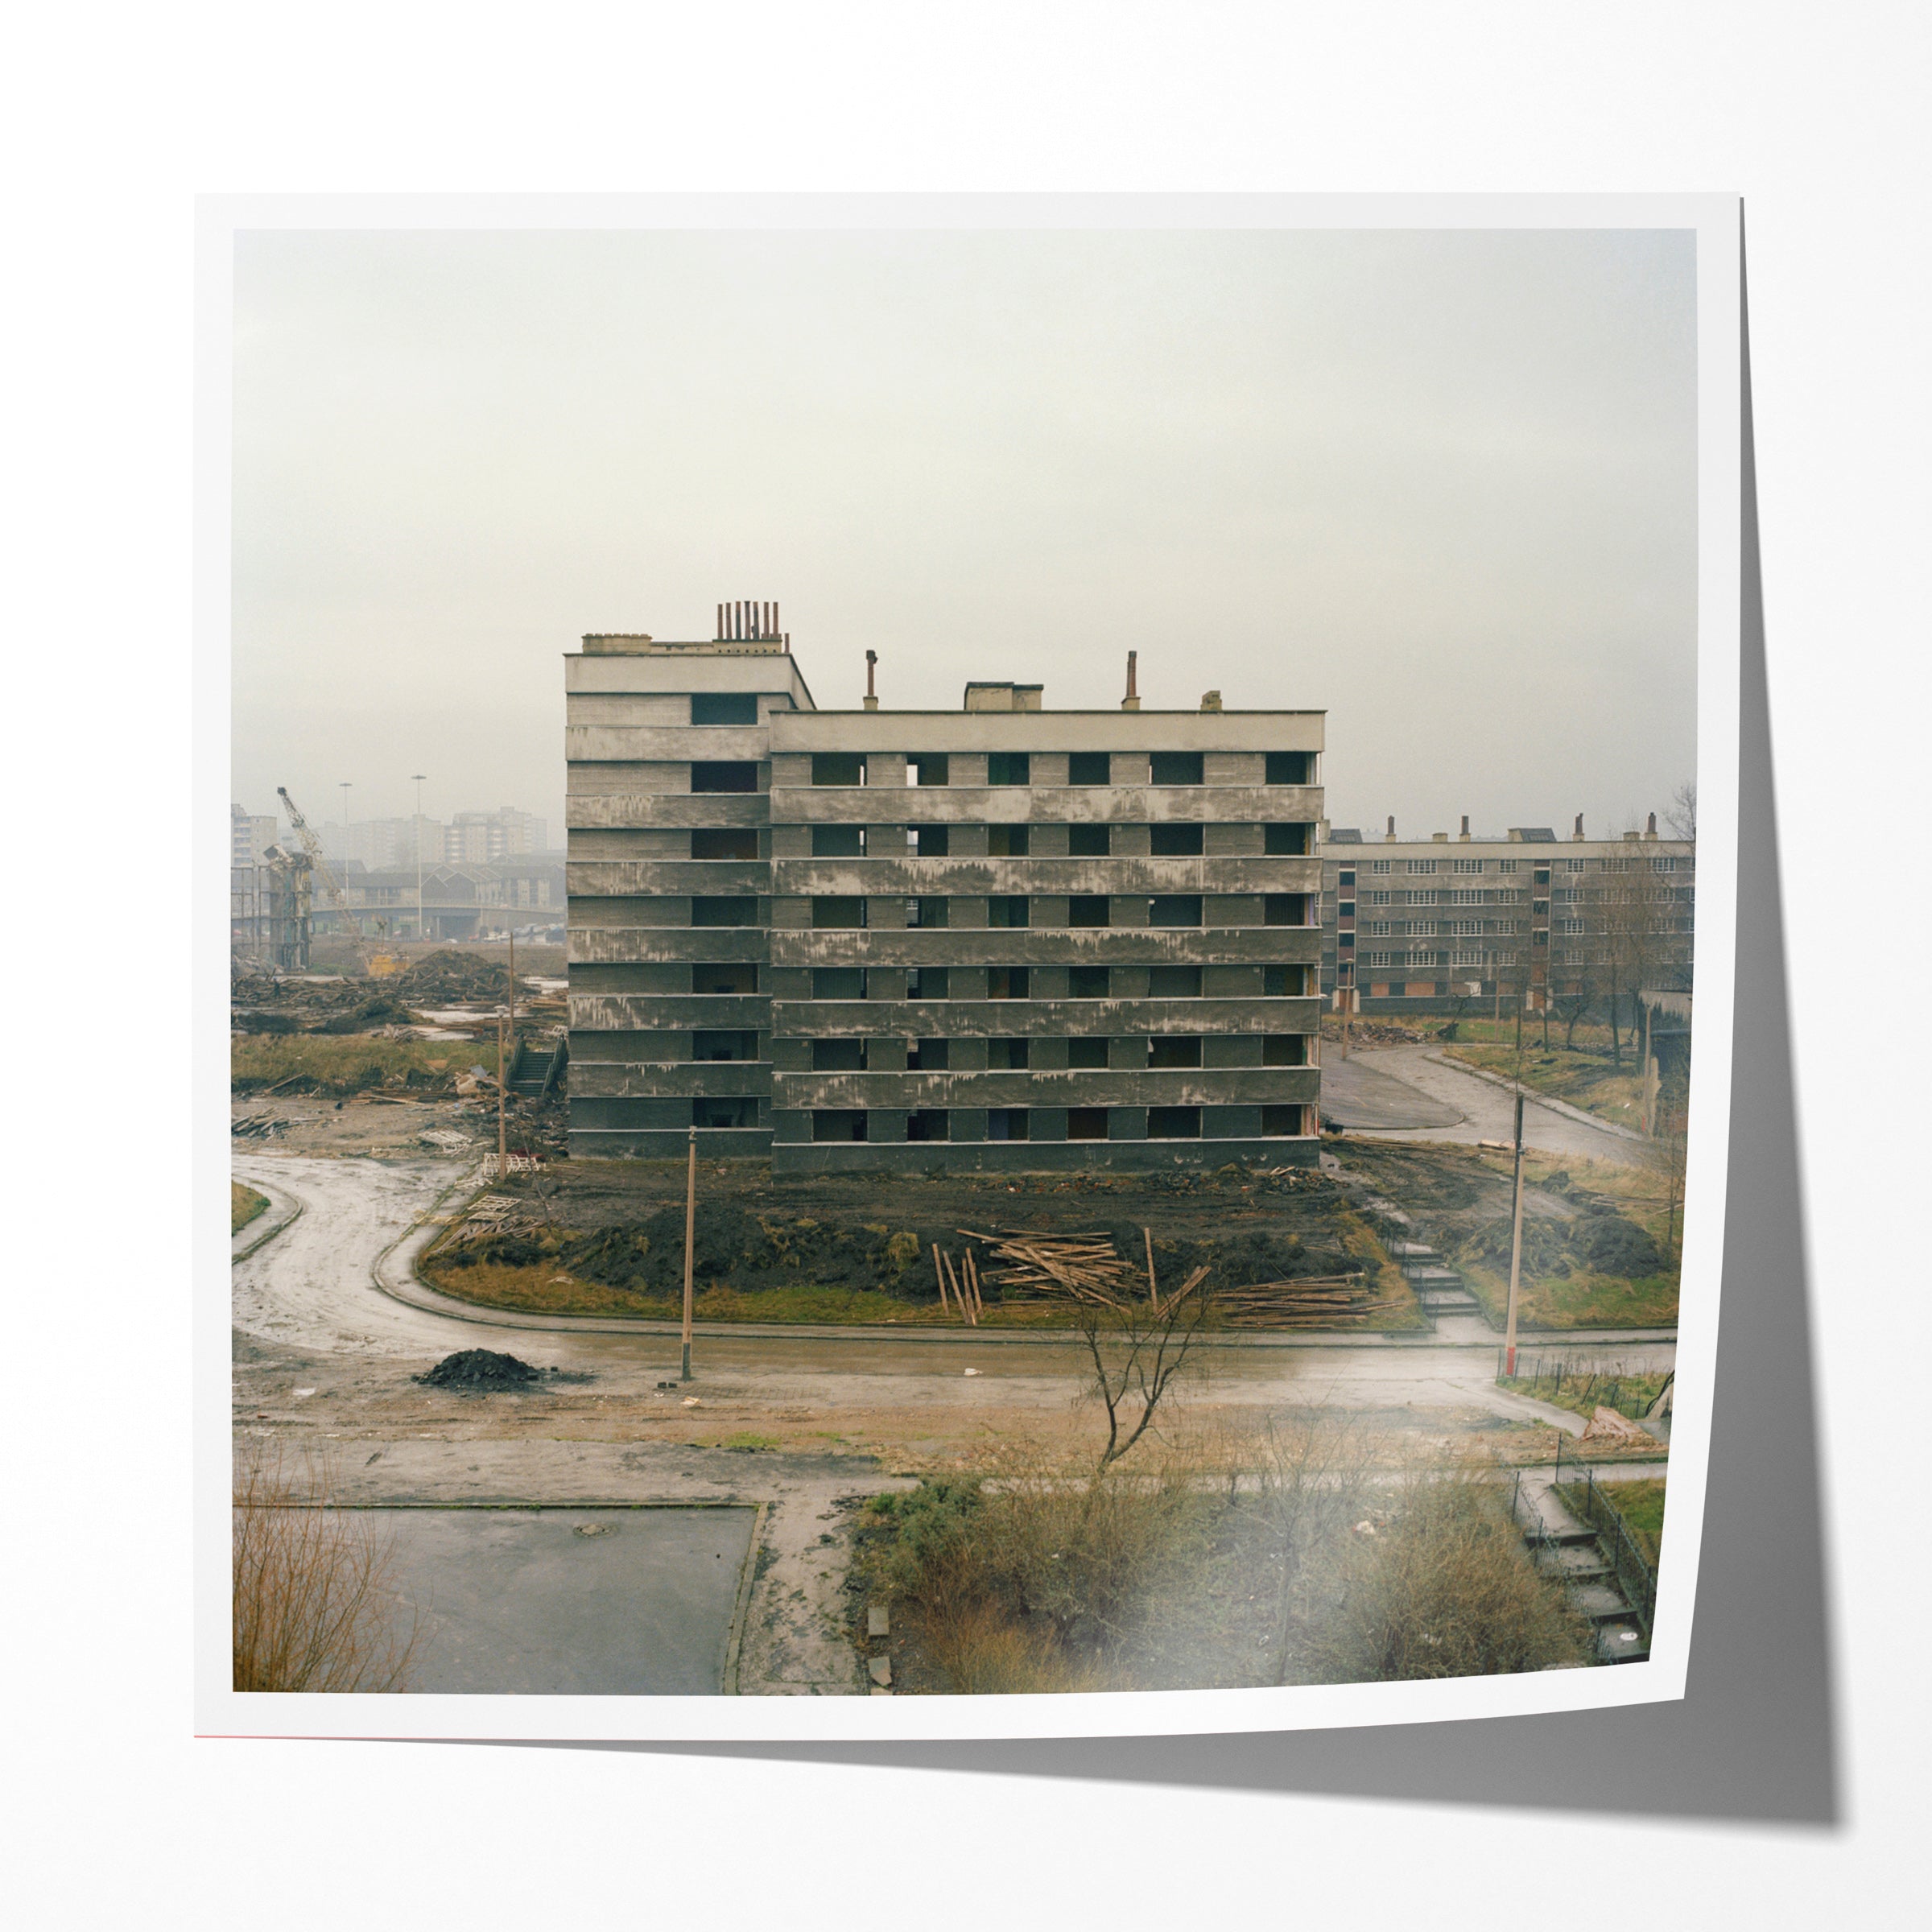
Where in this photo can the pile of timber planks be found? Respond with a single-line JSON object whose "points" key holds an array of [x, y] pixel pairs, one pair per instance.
{"points": [[1032, 1267], [1333, 1301]]}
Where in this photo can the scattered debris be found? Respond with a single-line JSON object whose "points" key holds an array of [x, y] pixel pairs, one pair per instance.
{"points": [[1607, 1425], [694, 1401], [256, 1126]]}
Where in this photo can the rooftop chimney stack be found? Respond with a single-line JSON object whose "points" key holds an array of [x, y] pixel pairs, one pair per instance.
{"points": [[1132, 701], [1465, 825], [1210, 700], [1390, 834], [1578, 832], [1650, 829], [872, 699]]}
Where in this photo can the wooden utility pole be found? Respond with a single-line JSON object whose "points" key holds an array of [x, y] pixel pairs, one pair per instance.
{"points": [[691, 1237], [1516, 1244], [502, 1125]]}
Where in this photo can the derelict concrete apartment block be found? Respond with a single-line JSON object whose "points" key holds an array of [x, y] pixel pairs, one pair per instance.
{"points": [[668, 878], [1001, 938]]}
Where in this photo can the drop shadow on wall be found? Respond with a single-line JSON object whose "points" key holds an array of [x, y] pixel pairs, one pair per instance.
{"points": [[1756, 1738]]}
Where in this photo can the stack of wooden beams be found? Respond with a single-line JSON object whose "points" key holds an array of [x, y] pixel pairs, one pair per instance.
{"points": [[1332, 1300], [1030, 1266]]}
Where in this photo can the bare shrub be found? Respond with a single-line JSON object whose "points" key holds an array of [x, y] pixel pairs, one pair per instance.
{"points": [[1138, 1348], [984, 1650], [312, 1607], [1442, 1587]]}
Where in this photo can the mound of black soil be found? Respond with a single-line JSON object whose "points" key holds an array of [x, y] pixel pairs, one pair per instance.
{"points": [[1599, 1239], [482, 1368], [380, 1011]]}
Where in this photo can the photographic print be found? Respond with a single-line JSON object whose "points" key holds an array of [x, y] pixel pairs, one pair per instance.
{"points": [[962, 943]]}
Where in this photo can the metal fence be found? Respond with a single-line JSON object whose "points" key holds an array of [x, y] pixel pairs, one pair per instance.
{"points": [[1634, 1573], [1592, 1380]]}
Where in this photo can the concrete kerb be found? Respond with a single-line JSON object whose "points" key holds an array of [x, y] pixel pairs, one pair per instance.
{"points": [[394, 1274], [1540, 1099], [741, 1611], [283, 1209]]}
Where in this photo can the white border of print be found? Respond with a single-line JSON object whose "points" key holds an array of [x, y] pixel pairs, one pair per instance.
{"points": [[221, 1711]]}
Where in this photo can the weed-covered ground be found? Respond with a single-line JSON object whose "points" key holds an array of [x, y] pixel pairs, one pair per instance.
{"points": [[1586, 1075], [244, 1205]]}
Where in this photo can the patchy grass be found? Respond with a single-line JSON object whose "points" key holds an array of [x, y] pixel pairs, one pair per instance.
{"points": [[1585, 1078], [244, 1205], [1639, 1502], [1583, 1392], [346, 1064], [1319, 1565], [1582, 1300], [749, 1439]]}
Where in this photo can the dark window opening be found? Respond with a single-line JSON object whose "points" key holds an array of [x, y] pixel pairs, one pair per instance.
{"points": [[725, 774], [1008, 910], [841, 1124], [1281, 1122], [724, 708], [838, 914], [838, 1056], [1293, 840], [1008, 768], [1089, 841], [1086, 982], [1345, 878], [1006, 1124], [926, 915], [838, 982], [1285, 909], [1174, 908], [927, 983], [1086, 1051], [736, 911], [929, 768], [1173, 1050], [1285, 1050], [725, 978], [724, 1046], [838, 767], [1284, 982], [1174, 1122], [1291, 768], [724, 842], [1177, 767], [929, 1124], [928, 1056], [1006, 1056], [1006, 982], [1089, 909], [838, 841], [1007, 841], [1089, 768], [733, 1110], [928, 841], [1174, 982], [1086, 1123], [1174, 841]]}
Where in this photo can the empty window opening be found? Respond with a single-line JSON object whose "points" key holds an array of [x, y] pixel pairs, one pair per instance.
{"points": [[838, 841], [1174, 841], [929, 768], [928, 841], [725, 774], [1285, 1050], [929, 1124], [1006, 982], [1290, 1122], [1008, 910], [839, 1124], [1173, 1050], [838, 767], [1089, 841], [1174, 982], [1177, 767], [1085, 1051], [1006, 1056], [1006, 1124], [724, 708], [734, 911], [928, 1056], [728, 978], [724, 1046], [1008, 768], [1284, 982], [1286, 909], [1089, 909], [1174, 908], [838, 914], [1089, 768], [1007, 841], [838, 1056], [730, 1110], [1295, 840], [838, 982], [926, 915], [1086, 1123], [1290, 768], [1087, 982], [927, 983], [1174, 1122], [724, 842]]}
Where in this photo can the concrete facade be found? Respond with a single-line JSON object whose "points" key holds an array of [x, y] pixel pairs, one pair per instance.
{"points": [[1418, 925], [1003, 938]]}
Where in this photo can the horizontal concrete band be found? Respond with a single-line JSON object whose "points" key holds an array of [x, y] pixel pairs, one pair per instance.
{"points": [[1035, 804], [803, 880], [1046, 733], [939, 1019], [634, 936], [920, 1156], [982, 1087]]}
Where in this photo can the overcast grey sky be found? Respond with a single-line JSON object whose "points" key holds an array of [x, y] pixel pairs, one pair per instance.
{"points": [[1441, 484]]}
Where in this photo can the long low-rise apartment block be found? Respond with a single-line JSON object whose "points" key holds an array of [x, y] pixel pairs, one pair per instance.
{"points": [[1003, 937]]}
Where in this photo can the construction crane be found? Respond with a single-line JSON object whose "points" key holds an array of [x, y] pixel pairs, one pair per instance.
{"points": [[330, 885]]}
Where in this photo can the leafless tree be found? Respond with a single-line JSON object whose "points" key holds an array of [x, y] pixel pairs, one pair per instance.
{"points": [[1681, 815], [1137, 1349]]}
